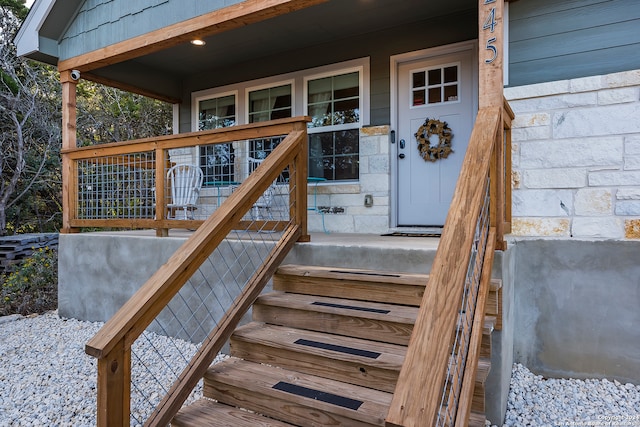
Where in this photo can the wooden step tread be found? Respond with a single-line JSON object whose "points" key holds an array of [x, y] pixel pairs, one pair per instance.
{"points": [[356, 361], [340, 273], [360, 284], [375, 321], [294, 397], [375, 310], [206, 413]]}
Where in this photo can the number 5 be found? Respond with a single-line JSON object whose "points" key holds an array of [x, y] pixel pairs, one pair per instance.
{"points": [[492, 48]]}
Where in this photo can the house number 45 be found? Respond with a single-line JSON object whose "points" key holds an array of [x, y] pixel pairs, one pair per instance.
{"points": [[490, 24]]}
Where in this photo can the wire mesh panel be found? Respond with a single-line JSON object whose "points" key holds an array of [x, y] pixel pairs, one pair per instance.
{"points": [[114, 187], [460, 347], [199, 307]]}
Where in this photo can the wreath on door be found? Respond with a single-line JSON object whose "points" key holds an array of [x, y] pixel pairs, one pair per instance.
{"points": [[434, 127]]}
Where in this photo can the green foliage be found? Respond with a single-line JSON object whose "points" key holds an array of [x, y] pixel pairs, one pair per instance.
{"points": [[17, 7], [106, 114], [33, 286]]}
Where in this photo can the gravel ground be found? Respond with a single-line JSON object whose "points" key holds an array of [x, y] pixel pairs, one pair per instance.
{"points": [[46, 379]]}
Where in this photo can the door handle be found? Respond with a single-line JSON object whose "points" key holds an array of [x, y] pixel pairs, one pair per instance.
{"points": [[402, 143], [401, 155]]}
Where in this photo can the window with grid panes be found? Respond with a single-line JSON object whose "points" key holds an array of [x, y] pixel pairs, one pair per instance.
{"points": [[217, 160], [333, 102], [264, 105]]}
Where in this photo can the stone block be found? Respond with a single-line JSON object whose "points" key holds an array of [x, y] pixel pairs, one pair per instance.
{"points": [[628, 194], [632, 163], [585, 84], [541, 227], [632, 145], [572, 153], [369, 146], [375, 183], [593, 202], [605, 227], [618, 96], [534, 90], [378, 164], [531, 119], [515, 179], [628, 208], [600, 121], [374, 131], [622, 79], [531, 133], [632, 228], [546, 203], [555, 178], [614, 178], [560, 102]]}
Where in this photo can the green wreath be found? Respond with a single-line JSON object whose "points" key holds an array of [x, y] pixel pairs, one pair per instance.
{"points": [[440, 151]]}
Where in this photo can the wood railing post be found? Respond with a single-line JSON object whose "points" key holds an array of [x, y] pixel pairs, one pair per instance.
{"points": [[69, 141], [114, 387], [161, 202], [301, 172], [497, 189]]}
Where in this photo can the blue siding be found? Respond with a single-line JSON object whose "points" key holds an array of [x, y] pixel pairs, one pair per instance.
{"points": [[551, 40], [100, 23]]}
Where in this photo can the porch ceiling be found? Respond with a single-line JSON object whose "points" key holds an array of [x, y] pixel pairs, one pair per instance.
{"points": [[327, 22]]}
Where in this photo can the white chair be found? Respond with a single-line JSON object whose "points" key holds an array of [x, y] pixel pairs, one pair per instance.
{"points": [[185, 182], [262, 207]]}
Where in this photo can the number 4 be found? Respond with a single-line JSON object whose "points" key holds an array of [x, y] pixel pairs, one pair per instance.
{"points": [[490, 22]]}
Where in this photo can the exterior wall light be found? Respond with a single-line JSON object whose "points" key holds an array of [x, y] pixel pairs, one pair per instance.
{"points": [[198, 42]]}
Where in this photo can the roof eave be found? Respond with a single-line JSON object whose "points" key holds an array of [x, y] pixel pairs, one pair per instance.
{"points": [[27, 40]]}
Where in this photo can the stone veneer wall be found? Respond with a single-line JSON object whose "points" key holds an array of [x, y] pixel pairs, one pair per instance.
{"points": [[344, 203], [576, 157]]}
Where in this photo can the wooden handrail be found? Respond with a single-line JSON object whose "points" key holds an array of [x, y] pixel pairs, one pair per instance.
{"points": [[418, 391], [112, 344]]}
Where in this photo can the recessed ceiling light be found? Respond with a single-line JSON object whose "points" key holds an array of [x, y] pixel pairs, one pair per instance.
{"points": [[198, 42]]}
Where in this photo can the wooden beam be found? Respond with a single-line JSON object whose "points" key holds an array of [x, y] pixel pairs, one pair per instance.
{"points": [[491, 57], [114, 387], [69, 141], [130, 88], [228, 18]]}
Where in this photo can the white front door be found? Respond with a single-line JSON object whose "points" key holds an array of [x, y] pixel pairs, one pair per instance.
{"points": [[441, 88]]}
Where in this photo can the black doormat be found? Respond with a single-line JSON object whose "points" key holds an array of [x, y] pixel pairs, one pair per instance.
{"points": [[413, 234]]}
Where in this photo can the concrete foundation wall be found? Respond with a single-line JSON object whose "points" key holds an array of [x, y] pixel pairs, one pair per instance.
{"points": [[99, 272], [577, 308]]}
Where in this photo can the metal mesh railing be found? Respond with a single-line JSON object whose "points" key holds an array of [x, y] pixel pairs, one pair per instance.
{"points": [[119, 186], [460, 347], [188, 319]]}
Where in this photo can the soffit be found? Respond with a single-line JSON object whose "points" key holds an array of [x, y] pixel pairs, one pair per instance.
{"points": [[331, 21]]}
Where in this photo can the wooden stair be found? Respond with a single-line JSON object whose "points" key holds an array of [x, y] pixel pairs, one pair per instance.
{"points": [[325, 348]]}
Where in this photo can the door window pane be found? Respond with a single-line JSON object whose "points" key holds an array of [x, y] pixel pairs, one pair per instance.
{"points": [[440, 84]]}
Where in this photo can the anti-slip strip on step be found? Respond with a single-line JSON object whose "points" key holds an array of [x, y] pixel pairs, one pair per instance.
{"points": [[351, 307], [365, 273], [338, 348], [322, 396]]}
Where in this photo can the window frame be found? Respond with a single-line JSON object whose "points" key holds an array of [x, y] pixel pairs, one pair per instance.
{"points": [[299, 97]]}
